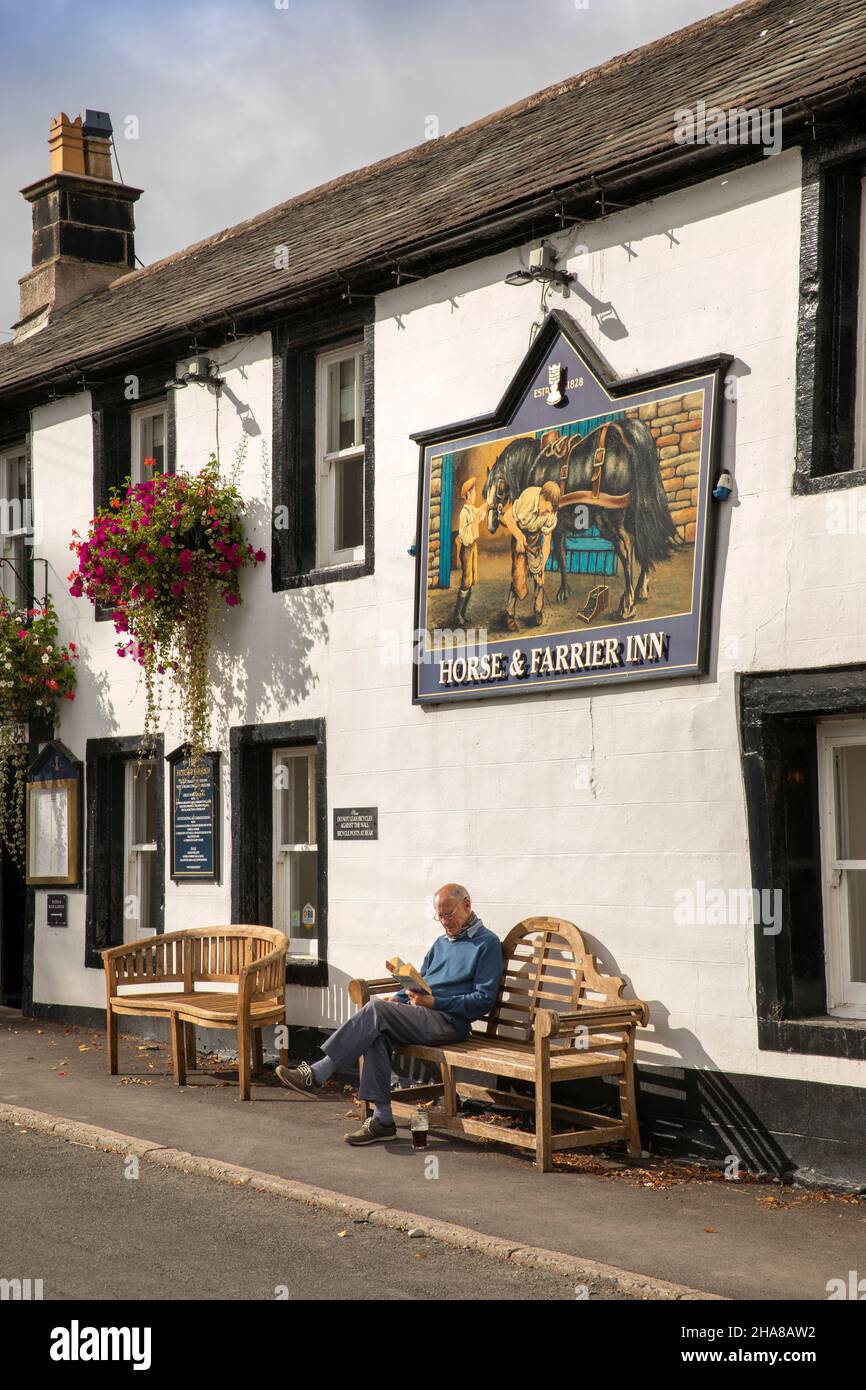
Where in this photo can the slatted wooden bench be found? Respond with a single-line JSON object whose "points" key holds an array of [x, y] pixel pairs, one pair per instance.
{"points": [[556, 1018], [252, 958]]}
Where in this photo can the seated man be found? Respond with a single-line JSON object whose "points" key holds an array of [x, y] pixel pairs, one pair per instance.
{"points": [[462, 968]]}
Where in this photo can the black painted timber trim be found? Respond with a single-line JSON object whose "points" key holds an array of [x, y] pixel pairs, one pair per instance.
{"points": [[105, 762], [252, 831], [828, 308], [293, 452]]}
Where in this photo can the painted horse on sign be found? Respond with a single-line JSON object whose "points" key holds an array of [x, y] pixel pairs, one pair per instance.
{"points": [[609, 479]]}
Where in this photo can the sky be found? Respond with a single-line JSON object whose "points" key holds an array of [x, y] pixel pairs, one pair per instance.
{"points": [[223, 108]]}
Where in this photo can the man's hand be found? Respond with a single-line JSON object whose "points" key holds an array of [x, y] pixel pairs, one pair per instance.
{"points": [[424, 1001], [520, 544]]}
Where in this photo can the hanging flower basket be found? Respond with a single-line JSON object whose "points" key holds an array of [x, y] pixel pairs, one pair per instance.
{"points": [[35, 673], [167, 555]]}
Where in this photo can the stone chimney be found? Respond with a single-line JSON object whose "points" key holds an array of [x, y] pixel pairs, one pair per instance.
{"points": [[83, 223]]}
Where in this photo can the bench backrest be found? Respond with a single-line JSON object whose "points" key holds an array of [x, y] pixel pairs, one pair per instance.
{"points": [[546, 966], [211, 954]]}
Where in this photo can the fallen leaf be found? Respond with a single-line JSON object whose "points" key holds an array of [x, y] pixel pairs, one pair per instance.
{"points": [[342, 1233], [711, 1230], [83, 1047]]}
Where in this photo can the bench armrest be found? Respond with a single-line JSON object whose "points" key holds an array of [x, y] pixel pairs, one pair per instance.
{"points": [[627, 1013], [265, 976], [361, 990]]}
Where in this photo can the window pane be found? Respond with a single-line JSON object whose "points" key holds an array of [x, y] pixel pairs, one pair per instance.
{"points": [[342, 432], [851, 801], [856, 886], [304, 914], [294, 800], [144, 805], [149, 897], [348, 503]]}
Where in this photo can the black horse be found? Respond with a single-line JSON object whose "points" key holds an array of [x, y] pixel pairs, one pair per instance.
{"points": [[613, 473]]}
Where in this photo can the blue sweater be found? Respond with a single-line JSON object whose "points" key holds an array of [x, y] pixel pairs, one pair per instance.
{"points": [[463, 973]]}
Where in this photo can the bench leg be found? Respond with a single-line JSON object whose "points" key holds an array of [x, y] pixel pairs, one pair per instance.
{"points": [[111, 1042], [258, 1051], [449, 1089], [191, 1054], [178, 1050], [284, 1050], [543, 1149], [244, 1045], [628, 1101]]}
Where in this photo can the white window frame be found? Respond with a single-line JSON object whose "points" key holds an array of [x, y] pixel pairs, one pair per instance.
{"points": [[846, 998], [285, 854], [133, 877], [328, 556], [14, 540], [137, 417]]}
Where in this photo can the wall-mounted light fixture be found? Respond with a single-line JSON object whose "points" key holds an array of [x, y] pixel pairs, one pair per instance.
{"points": [[200, 369], [542, 266]]}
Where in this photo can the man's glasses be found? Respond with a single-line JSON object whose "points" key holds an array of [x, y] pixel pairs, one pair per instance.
{"points": [[444, 916]]}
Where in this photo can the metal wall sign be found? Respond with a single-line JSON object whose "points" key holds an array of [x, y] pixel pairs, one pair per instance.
{"points": [[56, 914], [54, 818], [567, 539], [194, 800], [356, 823]]}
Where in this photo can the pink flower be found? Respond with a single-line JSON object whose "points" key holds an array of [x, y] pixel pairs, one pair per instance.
{"points": [[185, 561], [232, 600]]}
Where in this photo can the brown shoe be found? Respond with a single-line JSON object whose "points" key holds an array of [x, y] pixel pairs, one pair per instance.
{"points": [[511, 623], [299, 1078], [372, 1131]]}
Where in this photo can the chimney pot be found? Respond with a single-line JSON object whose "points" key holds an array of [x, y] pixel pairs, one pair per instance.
{"points": [[66, 143]]}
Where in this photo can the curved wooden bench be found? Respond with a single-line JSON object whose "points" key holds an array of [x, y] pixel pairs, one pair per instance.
{"points": [[556, 1018], [252, 958]]}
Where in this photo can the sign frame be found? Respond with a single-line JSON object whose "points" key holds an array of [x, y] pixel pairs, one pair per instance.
{"points": [[56, 758], [560, 357], [175, 759], [339, 829]]}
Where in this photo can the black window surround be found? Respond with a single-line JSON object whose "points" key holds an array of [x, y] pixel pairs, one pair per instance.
{"points": [[827, 366], [111, 412], [112, 426], [252, 785], [105, 801], [778, 715], [294, 483]]}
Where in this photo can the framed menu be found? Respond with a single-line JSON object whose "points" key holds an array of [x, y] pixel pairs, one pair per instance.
{"points": [[54, 818], [194, 799]]}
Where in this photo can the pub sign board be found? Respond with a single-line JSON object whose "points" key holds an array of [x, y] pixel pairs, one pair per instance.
{"points": [[195, 818], [567, 539]]}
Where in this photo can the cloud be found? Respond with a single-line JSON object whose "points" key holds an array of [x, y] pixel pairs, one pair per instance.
{"points": [[241, 105]]}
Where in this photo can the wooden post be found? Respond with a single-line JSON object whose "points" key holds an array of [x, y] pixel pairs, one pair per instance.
{"points": [[110, 1016], [628, 1097], [546, 1022], [258, 1052], [191, 1052], [178, 1053]]}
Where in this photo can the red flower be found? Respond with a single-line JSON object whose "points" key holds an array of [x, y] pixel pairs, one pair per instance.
{"points": [[115, 502], [69, 694], [148, 463]]}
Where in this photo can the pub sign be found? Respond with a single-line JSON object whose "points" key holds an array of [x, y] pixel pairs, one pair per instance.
{"points": [[195, 829], [567, 539]]}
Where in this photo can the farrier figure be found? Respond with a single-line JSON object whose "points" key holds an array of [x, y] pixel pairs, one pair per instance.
{"points": [[531, 519], [467, 534]]}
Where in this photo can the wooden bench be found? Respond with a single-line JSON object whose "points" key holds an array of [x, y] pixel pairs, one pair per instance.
{"points": [[252, 958], [555, 1019]]}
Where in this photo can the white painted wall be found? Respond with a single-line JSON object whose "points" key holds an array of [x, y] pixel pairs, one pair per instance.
{"points": [[490, 794]]}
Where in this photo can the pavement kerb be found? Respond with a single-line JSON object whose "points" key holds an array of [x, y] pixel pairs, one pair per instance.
{"points": [[595, 1276]]}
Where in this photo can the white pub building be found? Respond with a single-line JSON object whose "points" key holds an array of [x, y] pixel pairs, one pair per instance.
{"points": [[554, 440]]}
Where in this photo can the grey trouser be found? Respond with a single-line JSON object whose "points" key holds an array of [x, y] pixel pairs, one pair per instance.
{"points": [[373, 1031]]}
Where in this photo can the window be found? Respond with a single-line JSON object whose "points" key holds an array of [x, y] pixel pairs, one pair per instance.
{"points": [[842, 780], [126, 432], [831, 347], [16, 526], [148, 441], [140, 887], [125, 844], [340, 454], [295, 853], [322, 464], [803, 736], [279, 838]]}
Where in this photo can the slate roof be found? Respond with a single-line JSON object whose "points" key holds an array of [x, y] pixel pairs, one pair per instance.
{"points": [[769, 53]]}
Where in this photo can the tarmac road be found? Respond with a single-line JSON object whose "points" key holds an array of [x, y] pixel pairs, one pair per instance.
{"points": [[71, 1218]]}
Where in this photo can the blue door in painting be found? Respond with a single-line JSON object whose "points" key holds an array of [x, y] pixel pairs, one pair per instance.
{"points": [[589, 552]]}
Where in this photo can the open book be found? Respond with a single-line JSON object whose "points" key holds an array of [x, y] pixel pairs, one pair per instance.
{"points": [[406, 976]]}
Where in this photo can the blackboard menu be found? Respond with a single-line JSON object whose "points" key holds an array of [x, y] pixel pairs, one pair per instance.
{"points": [[195, 819]]}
